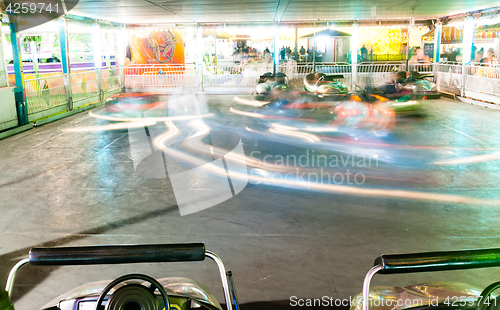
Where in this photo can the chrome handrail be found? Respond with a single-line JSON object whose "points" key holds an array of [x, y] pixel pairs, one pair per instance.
{"points": [[223, 275], [366, 284], [12, 275]]}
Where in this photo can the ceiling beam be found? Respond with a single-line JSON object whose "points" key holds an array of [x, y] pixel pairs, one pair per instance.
{"points": [[280, 10], [168, 9]]}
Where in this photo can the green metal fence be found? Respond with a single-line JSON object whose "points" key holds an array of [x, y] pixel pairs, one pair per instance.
{"points": [[43, 93], [84, 85], [47, 91]]}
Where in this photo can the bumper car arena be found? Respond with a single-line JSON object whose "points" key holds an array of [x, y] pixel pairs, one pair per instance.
{"points": [[250, 155]]}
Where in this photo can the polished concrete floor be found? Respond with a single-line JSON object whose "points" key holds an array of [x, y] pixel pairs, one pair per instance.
{"points": [[60, 188]]}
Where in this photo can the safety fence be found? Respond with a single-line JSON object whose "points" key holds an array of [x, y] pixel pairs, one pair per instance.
{"points": [[297, 72], [84, 85], [158, 75], [44, 92], [375, 74], [246, 75], [50, 90], [483, 82], [111, 79], [454, 78], [475, 81], [448, 77], [237, 75]]}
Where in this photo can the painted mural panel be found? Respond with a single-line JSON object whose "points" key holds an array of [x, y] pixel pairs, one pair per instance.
{"points": [[157, 47]]}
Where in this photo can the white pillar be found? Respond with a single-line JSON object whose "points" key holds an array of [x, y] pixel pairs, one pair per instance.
{"points": [[276, 48], [437, 47], [354, 54], [438, 31], [467, 48], [121, 45], [4, 78], [97, 45], [410, 27], [97, 51], [467, 39], [199, 57]]}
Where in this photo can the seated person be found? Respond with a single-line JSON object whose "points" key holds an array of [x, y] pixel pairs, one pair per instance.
{"points": [[394, 84]]}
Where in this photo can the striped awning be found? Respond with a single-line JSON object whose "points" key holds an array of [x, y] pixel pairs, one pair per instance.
{"points": [[449, 35], [484, 36]]}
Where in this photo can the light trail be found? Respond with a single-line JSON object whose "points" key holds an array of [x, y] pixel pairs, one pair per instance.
{"points": [[294, 133], [332, 188], [246, 113], [156, 119], [137, 124], [254, 103], [469, 160], [162, 139]]}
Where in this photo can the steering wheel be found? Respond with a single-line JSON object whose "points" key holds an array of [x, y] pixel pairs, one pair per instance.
{"points": [[485, 299], [133, 296]]}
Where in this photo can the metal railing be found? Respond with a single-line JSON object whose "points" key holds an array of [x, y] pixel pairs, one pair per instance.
{"points": [[296, 72], [448, 77], [111, 79], [420, 67], [85, 85], [377, 73], [44, 92], [154, 75], [236, 75], [483, 79]]}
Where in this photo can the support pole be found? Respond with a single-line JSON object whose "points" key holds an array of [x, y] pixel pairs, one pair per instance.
{"points": [[410, 27], [215, 48], [467, 48], [354, 54], [34, 57], [276, 48], [107, 54], [63, 42], [438, 32], [314, 50], [4, 77], [296, 52], [407, 48], [96, 46], [437, 47], [21, 107], [199, 57], [122, 43]]}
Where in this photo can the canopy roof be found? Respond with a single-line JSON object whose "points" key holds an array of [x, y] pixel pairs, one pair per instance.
{"points": [[328, 33], [249, 11], [449, 35]]}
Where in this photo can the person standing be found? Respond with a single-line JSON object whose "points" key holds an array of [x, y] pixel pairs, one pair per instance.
{"points": [[302, 50], [473, 52], [288, 52], [364, 53]]}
